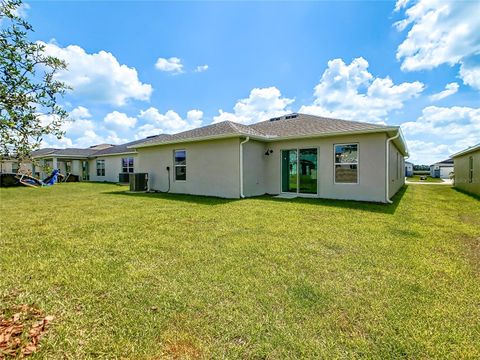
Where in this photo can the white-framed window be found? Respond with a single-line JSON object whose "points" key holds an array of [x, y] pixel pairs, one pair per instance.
{"points": [[470, 169], [127, 165], [100, 167], [345, 163], [180, 165]]}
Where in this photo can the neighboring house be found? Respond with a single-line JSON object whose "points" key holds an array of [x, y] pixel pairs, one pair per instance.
{"points": [[104, 162], [467, 169], [442, 169], [296, 154], [12, 166], [408, 169]]}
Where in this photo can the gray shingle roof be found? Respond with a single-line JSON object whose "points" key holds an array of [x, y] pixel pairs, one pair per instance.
{"points": [[303, 124], [123, 148], [290, 125], [63, 152], [221, 128], [445, 162], [284, 126]]}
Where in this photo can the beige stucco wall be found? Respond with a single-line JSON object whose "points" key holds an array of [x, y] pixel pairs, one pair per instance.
{"points": [[396, 171], [212, 167], [7, 165], [254, 163], [113, 167], [461, 167], [371, 184]]}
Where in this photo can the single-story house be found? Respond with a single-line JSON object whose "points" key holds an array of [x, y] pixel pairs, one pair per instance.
{"points": [[467, 169], [295, 155], [408, 169], [442, 169], [103, 162]]}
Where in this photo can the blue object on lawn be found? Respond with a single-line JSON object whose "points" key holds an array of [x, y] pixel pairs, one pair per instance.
{"points": [[52, 179]]}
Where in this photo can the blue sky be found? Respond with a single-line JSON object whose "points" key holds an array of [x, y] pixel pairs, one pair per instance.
{"points": [[142, 68]]}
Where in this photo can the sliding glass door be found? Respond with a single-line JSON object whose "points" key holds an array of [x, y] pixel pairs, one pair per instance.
{"points": [[289, 170], [299, 171]]}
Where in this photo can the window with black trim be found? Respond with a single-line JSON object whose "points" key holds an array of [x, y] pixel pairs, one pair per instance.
{"points": [[127, 165], [180, 165], [100, 167], [346, 163]]}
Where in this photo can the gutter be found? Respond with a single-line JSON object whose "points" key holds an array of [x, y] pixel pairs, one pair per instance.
{"points": [[241, 166], [387, 169]]}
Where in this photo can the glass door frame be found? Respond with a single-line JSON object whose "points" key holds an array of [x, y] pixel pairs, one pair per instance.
{"points": [[297, 149]]}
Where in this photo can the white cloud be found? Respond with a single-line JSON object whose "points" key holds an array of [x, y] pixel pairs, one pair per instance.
{"points": [[201, 68], [118, 120], [170, 122], [470, 73], [352, 92], [80, 112], [427, 152], [442, 32], [401, 4], [453, 129], [262, 104], [21, 11], [82, 132], [450, 89], [99, 77], [173, 65]]}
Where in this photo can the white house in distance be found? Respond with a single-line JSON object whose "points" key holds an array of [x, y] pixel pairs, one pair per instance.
{"points": [[442, 169], [408, 169], [295, 155]]}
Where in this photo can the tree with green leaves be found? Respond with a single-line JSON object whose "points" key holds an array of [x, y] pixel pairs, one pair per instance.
{"points": [[29, 90]]}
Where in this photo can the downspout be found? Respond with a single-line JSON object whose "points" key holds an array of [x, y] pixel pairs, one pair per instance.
{"points": [[241, 166], [387, 170]]}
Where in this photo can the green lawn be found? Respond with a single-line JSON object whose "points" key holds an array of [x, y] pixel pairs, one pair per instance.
{"points": [[429, 179], [152, 276]]}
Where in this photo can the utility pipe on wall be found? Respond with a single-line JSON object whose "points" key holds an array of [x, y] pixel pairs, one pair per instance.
{"points": [[387, 170], [241, 165]]}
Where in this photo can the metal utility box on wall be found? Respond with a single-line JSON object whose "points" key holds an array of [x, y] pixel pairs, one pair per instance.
{"points": [[139, 182]]}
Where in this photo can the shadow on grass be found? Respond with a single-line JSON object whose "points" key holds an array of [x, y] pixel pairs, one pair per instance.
{"points": [[348, 204], [195, 199], [475, 196], [209, 200]]}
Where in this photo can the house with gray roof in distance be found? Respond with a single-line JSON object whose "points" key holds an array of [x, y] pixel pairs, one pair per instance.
{"points": [[442, 169], [103, 162], [408, 169], [291, 155]]}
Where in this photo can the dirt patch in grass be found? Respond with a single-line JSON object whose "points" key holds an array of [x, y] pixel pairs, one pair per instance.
{"points": [[182, 349], [21, 328], [472, 250], [469, 219]]}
